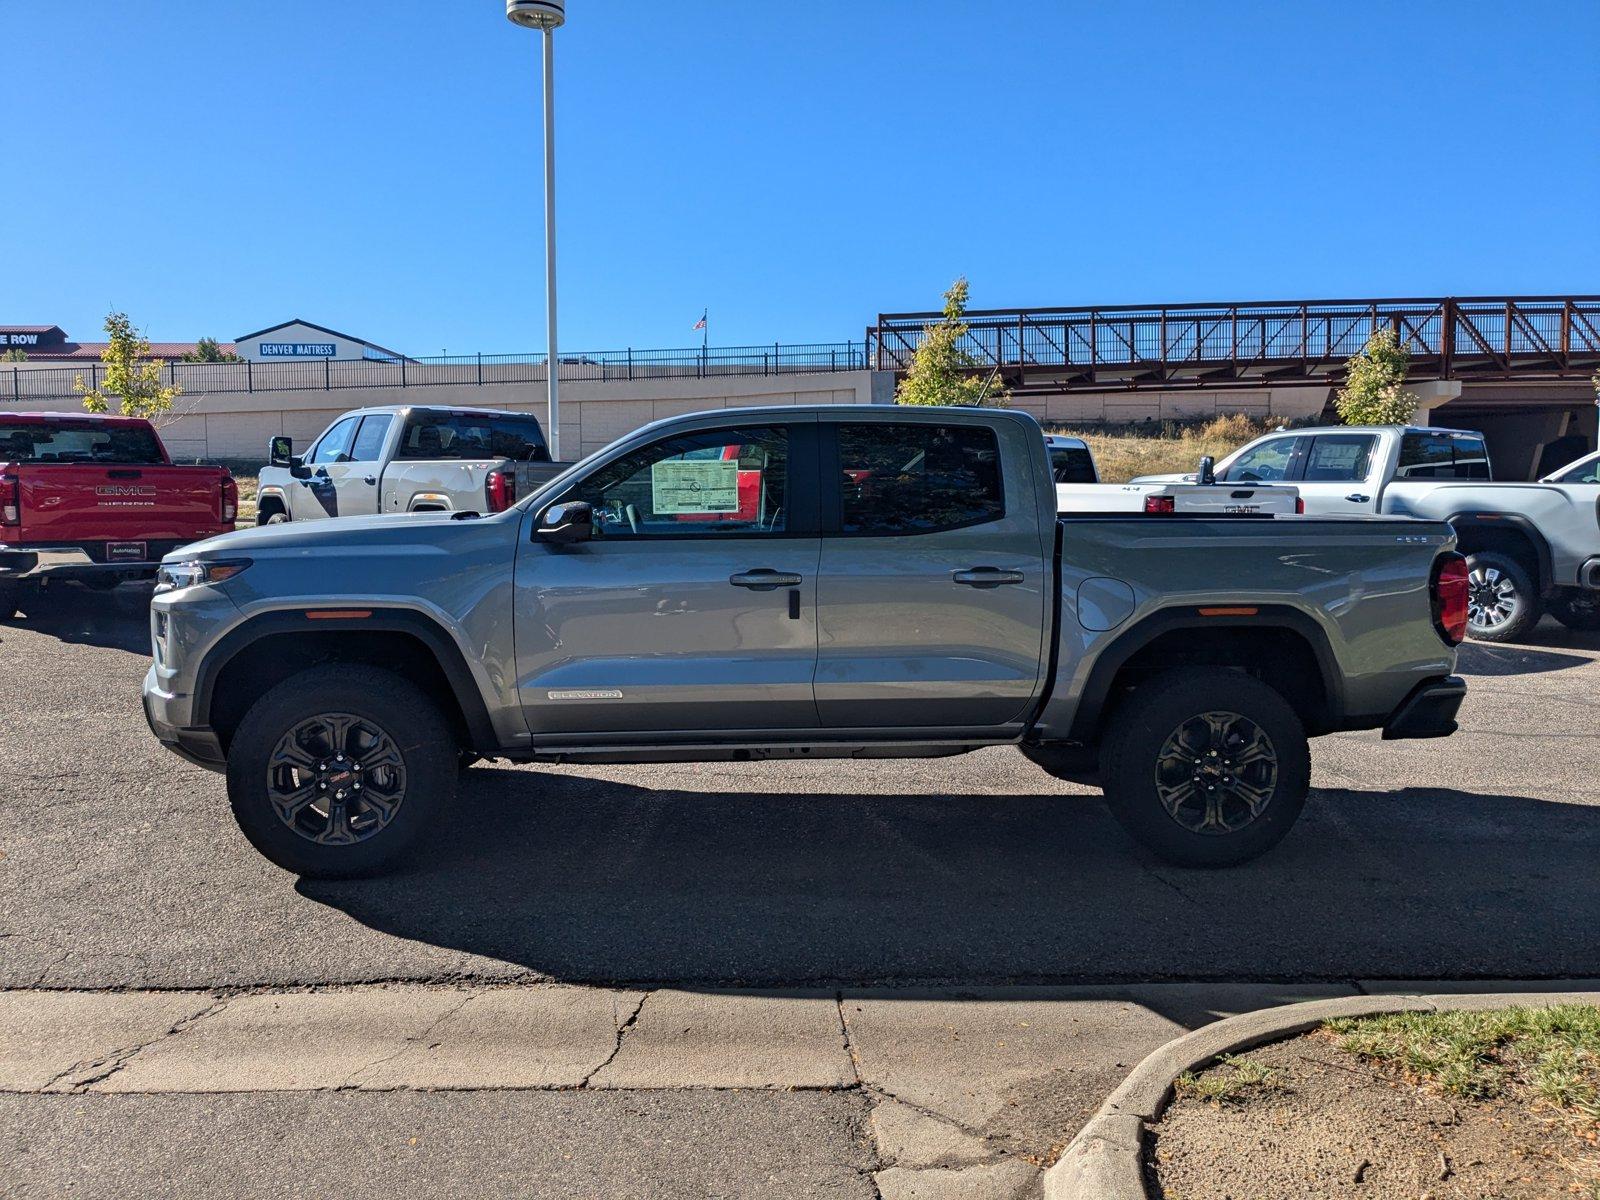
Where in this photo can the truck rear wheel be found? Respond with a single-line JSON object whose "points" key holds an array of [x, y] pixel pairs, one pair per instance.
{"points": [[1502, 601], [1578, 610], [1205, 766], [339, 770]]}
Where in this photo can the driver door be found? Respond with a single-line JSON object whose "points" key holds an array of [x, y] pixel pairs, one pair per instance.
{"points": [[318, 495], [693, 606]]}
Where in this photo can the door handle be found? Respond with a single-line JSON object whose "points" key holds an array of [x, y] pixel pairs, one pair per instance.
{"points": [[986, 577], [764, 579], [1357, 498], [369, 479]]}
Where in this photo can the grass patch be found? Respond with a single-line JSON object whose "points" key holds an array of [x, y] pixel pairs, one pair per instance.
{"points": [[1228, 1082], [1159, 447], [1550, 1055]]}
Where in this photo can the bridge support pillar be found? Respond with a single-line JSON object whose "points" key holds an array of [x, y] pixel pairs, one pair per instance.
{"points": [[1430, 395]]}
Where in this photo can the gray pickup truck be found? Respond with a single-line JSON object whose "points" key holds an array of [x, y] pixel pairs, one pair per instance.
{"points": [[406, 459], [798, 583]]}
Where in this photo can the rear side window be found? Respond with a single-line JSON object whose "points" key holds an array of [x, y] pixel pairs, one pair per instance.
{"points": [[85, 442], [473, 435], [1442, 456], [1339, 458], [1587, 471], [917, 478], [369, 441], [1072, 464]]}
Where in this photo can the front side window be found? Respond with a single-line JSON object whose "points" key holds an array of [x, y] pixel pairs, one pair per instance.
{"points": [[84, 442], [369, 441], [474, 435], [712, 483], [1339, 458], [1585, 472], [335, 444], [917, 478], [1266, 463]]}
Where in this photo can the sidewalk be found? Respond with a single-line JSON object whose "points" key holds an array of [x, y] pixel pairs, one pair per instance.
{"points": [[901, 1094]]}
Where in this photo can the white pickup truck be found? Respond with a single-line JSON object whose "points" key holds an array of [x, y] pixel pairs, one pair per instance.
{"points": [[407, 459], [1079, 490], [1531, 547]]}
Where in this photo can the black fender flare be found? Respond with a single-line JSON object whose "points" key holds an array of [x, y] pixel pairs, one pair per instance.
{"points": [[1544, 566], [446, 653], [1114, 656]]}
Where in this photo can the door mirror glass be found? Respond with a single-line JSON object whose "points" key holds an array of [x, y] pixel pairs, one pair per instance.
{"points": [[280, 450], [567, 522]]}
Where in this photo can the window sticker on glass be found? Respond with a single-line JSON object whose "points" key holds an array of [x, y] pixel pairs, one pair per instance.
{"points": [[677, 486]]}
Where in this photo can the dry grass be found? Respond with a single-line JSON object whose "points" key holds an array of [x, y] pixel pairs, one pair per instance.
{"points": [[1155, 448]]}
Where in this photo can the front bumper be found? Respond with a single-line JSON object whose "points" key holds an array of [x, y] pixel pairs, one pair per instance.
{"points": [[197, 745], [68, 563], [1429, 711]]}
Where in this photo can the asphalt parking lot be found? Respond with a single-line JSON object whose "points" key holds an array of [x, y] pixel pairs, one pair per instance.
{"points": [[928, 903], [1471, 856]]}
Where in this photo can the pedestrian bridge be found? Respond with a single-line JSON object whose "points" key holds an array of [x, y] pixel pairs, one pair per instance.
{"points": [[1170, 346]]}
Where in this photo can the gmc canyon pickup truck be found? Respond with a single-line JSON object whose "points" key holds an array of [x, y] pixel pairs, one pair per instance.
{"points": [[1530, 547], [798, 583], [96, 500], [406, 460]]}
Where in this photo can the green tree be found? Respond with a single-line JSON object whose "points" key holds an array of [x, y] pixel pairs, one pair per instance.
{"points": [[941, 371], [1374, 384], [207, 350], [13, 355], [132, 380]]}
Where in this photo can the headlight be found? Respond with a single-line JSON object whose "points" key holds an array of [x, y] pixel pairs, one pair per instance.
{"points": [[176, 576]]}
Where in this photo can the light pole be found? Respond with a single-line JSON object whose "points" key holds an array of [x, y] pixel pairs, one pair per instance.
{"points": [[548, 16]]}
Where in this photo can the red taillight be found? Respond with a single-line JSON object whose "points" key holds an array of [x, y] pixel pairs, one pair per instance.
{"points": [[1450, 597], [230, 499], [500, 490], [10, 500], [1160, 504], [1299, 506]]}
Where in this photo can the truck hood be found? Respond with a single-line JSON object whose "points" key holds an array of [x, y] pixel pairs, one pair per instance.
{"points": [[336, 533]]}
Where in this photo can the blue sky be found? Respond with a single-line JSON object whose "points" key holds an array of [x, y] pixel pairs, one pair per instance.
{"points": [[212, 168]]}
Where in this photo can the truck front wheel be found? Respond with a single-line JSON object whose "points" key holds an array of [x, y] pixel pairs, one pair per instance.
{"points": [[1502, 602], [1205, 766], [337, 771]]}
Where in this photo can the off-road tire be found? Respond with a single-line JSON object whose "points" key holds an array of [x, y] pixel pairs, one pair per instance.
{"points": [[1140, 726], [276, 517], [1517, 596], [1578, 610], [418, 730]]}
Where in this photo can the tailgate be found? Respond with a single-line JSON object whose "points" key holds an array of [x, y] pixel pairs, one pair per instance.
{"points": [[84, 502]]}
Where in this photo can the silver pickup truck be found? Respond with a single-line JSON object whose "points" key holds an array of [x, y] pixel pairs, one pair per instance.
{"points": [[406, 459], [1531, 547], [798, 583]]}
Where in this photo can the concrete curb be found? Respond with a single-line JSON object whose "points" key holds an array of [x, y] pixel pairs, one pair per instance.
{"points": [[1106, 1160]]}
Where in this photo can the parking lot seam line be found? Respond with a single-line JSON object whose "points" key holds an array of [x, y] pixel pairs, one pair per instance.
{"points": [[348, 1083], [118, 1059], [622, 1034]]}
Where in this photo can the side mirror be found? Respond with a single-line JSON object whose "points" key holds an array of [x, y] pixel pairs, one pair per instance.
{"points": [[280, 450], [565, 523], [1208, 471]]}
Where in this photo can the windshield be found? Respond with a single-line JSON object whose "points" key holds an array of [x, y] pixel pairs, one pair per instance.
{"points": [[79, 443]]}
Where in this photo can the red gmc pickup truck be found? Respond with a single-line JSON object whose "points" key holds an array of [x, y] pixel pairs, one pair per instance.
{"points": [[96, 500]]}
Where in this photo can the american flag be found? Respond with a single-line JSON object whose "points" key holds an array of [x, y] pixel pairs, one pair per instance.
{"points": [[701, 323]]}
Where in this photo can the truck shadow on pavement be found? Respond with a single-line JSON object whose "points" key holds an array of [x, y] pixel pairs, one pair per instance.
{"points": [[117, 619], [589, 881], [1480, 659]]}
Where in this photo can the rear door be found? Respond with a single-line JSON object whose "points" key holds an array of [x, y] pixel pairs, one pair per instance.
{"points": [[1336, 474], [933, 578]]}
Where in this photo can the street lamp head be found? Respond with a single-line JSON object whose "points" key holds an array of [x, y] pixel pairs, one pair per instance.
{"points": [[537, 14]]}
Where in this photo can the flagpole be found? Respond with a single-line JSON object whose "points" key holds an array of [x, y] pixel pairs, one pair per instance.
{"points": [[705, 330]]}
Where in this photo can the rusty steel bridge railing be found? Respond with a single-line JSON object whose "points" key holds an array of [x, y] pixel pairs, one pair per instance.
{"points": [[1192, 345]]}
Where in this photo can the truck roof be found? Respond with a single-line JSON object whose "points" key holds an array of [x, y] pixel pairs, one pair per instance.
{"points": [[47, 418], [445, 408], [1378, 429]]}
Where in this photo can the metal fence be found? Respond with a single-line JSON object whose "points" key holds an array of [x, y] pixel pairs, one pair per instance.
{"points": [[1478, 337], [41, 382]]}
